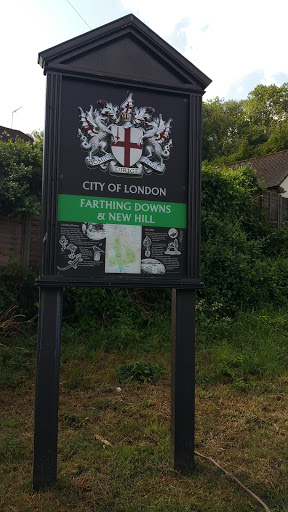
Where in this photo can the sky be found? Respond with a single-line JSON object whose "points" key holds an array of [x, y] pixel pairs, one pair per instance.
{"points": [[238, 45]]}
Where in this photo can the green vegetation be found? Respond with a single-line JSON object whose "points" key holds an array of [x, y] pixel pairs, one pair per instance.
{"points": [[20, 177], [17, 289], [243, 259], [141, 371], [237, 130], [113, 448], [239, 351]]}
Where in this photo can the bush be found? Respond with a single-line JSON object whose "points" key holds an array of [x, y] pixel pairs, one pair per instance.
{"points": [[243, 259], [17, 288], [20, 177], [115, 319], [91, 307], [140, 371]]}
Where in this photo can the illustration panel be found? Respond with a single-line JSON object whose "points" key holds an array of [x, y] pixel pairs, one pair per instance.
{"points": [[101, 249]]}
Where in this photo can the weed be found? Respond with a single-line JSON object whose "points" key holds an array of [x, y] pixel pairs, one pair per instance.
{"points": [[141, 371], [70, 420], [73, 445], [14, 449], [8, 320], [17, 287], [16, 362], [101, 404], [253, 345]]}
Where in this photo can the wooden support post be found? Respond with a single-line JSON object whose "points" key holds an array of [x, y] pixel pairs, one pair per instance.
{"points": [[183, 379], [47, 388]]}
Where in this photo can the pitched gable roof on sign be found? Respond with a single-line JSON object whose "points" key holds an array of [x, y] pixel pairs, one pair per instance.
{"points": [[125, 49], [272, 169]]}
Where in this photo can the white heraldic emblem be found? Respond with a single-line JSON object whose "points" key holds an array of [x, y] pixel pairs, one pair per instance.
{"points": [[126, 140]]}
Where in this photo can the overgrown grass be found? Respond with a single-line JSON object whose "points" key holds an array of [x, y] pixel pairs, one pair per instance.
{"points": [[241, 421], [240, 351]]}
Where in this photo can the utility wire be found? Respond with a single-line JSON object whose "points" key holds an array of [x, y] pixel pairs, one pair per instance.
{"points": [[79, 14]]}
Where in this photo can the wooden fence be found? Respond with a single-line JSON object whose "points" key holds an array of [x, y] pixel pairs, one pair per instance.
{"points": [[276, 208], [20, 239]]}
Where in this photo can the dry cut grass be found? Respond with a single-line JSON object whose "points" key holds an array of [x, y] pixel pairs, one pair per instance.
{"points": [[246, 431]]}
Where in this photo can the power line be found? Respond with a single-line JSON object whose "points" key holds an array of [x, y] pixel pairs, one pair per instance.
{"points": [[79, 14]]}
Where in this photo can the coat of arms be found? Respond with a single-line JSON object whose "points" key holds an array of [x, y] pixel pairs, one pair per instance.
{"points": [[125, 140]]}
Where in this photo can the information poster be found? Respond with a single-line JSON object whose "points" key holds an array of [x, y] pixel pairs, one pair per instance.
{"points": [[122, 202]]}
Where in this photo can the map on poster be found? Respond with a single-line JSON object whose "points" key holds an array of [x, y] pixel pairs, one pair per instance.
{"points": [[123, 249]]}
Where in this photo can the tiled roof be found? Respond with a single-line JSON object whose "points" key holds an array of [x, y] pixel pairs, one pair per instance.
{"points": [[272, 169], [12, 134]]}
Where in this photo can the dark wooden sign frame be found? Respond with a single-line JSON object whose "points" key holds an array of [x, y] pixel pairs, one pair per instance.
{"points": [[146, 82]]}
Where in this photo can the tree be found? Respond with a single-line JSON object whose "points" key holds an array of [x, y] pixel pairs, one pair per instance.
{"points": [[224, 127], [237, 130], [266, 105], [38, 136], [20, 177]]}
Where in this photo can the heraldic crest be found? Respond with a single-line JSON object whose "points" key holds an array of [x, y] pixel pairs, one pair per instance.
{"points": [[126, 140]]}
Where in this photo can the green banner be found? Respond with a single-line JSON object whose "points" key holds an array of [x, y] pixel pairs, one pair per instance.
{"points": [[109, 210]]}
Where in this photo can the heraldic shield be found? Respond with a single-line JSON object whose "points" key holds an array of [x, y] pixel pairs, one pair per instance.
{"points": [[127, 144]]}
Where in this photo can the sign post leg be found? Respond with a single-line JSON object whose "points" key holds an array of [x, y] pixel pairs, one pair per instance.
{"points": [[183, 379], [47, 388]]}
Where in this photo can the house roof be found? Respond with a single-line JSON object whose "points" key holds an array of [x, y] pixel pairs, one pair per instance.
{"points": [[7, 134], [124, 49], [272, 169]]}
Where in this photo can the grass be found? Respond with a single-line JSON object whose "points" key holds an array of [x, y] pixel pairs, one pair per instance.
{"points": [[253, 345], [241, 422]]}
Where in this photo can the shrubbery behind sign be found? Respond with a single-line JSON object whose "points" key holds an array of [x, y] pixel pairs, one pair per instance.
{"points": [[121, 192]]}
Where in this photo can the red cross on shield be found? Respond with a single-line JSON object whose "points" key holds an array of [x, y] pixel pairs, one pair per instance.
{"points": [[126, 147]]}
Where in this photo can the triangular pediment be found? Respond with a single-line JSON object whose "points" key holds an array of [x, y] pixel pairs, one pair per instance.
{"points": [[125, 49], [125, 57]]}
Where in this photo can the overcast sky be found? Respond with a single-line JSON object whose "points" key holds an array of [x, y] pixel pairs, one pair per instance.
{"points": [[237, 44]]}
